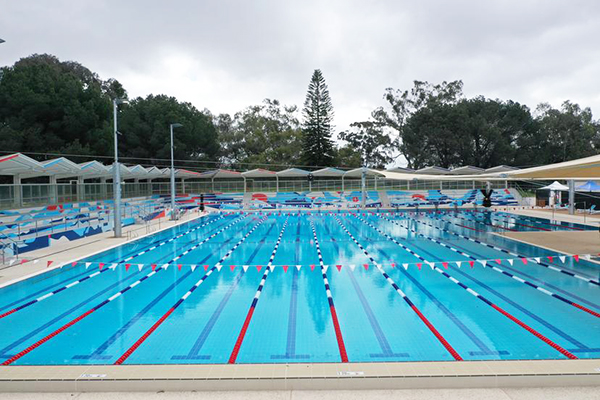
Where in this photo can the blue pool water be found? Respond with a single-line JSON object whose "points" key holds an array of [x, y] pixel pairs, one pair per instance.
{"points": [[278, 288]]}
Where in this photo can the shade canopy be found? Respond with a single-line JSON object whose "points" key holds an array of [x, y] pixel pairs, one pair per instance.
{"points": [[433, 170], [589, 186], [555, 186], [404, 170], [357, 173], [292, 173], [466, 170], [259, 173], [219, 174], [328, 172]]}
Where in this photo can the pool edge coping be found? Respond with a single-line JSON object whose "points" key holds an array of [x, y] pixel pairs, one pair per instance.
{"points": [[413, 375]]}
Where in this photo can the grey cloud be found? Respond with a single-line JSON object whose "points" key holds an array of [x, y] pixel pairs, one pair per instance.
{"points": [[225, 55]]}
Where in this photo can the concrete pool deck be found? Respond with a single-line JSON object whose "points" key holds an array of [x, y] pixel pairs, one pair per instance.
{"points": [[332, 376], [290, 378]]}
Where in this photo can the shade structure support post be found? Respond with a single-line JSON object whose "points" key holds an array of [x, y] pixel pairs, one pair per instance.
{"points": [[116, 177], [53, 190], [17, 191], [103, 188], [571, 196], [245, 188], [277, 184], [80, 189], [213, 184], [363, 182]]}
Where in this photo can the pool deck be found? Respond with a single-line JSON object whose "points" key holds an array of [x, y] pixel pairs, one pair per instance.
{"points": [[350, 376], [291, 377], [567, 241]]}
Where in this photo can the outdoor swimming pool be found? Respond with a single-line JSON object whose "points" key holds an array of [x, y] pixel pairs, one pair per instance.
{"points": [[279, 288]]}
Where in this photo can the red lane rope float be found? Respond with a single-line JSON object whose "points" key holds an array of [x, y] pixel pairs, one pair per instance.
{"points": [[424, 319]]}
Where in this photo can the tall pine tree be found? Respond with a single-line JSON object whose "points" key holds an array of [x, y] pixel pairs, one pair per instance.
{"points": [[318, 147]]}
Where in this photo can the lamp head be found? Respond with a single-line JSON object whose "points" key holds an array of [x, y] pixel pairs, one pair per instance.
{"points": [[2, 40], [176, 125]]}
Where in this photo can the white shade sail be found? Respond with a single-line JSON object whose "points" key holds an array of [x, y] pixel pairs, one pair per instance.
{"points": [[292, 173], [328, 172], [259, 173], [357, 173]]}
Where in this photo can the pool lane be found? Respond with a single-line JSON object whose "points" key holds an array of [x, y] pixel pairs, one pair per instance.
{"points": [[560, 278], [104, 310], [24, 291], [581, 270], [292, 322], [31, 299], [475, 251], [386, 328], [495, 306], [567, 328], [139, 342], [204, 323]]}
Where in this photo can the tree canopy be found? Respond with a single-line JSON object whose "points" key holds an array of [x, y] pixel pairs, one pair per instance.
{"points": [[53, 106], [317, 128]]}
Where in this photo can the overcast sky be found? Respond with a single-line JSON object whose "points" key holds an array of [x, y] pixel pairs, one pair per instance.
{"points": [[226, 55]]}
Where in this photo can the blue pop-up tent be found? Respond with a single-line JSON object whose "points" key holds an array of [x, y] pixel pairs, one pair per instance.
{"points": [[589, 186]]}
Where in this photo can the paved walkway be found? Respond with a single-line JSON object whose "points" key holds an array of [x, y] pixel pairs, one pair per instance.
{"points": [[558, 393]]}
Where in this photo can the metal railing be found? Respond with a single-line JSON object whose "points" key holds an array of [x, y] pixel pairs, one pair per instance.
{"points": [[31, 195]]}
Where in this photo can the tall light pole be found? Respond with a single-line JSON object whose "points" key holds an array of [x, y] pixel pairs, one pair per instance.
{"points": [[173, 216], [116, 172]]}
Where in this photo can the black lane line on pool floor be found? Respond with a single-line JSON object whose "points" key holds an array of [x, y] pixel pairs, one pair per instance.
{"points": [[386, 349], [290, 347], [537, 334], [484, 350], [424, 319], [110, 299], [194, 353], [98, 353], [166, 315], [77, 281]]}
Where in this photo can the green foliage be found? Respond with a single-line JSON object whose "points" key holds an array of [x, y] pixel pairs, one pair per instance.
{"points": [[317, 146], [562, 135], [348, 157], [260, 135], [368, 140], [435, 125], [53, 106], [145, 127]]}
